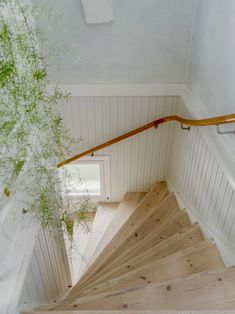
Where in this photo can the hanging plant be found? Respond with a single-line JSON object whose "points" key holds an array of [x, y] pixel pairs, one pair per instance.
{"points": [[32, 136]]}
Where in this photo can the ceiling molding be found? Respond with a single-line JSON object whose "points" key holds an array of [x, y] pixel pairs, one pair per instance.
{"points": [[120, 89]]}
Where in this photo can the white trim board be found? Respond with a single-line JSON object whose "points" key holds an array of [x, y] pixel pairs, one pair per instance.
{"points": [[119, 89]]}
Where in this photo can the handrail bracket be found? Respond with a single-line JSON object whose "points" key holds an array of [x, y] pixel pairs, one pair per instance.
{"points": [[184, 127], [223, 132]]}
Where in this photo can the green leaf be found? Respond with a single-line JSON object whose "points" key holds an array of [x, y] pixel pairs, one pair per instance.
{"points": [[69, 224], [81, 215], [39, 75], [18, 167], [8, 126], [7, 69], [7, 192]]}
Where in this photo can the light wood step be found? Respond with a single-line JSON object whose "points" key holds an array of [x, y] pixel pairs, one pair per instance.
{"points": [[103, 217], [201, 257], [124, 210], [182, 240], [204, 291], [175, 221], [161, 213], [142, 212]]}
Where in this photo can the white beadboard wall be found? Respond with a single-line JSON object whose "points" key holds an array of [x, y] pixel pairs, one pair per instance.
{"points": [[137, 162], [199, 180], [184, 159], [48, 274]]}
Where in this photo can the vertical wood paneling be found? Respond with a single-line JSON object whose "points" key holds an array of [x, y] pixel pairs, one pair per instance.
{"points": [[136, 162], [168, 152], [201, 183], [47, 278]]}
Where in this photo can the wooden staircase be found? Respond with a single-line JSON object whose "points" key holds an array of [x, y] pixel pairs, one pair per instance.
{"points": [[150, 258]]}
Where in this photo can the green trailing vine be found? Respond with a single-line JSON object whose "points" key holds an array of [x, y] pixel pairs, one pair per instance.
{"points": [[32, 136]]}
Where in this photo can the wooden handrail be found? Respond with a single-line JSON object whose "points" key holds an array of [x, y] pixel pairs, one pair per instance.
{"points": [[203, 122]]}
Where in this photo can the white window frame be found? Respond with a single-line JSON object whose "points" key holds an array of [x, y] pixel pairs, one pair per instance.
{"points": [[104, 162]]}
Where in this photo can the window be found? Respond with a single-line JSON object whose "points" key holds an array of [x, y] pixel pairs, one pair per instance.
{"points": [[89, 175]]}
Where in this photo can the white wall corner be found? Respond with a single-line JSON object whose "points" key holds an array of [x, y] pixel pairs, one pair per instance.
{"points": [[227, 253], [222, 152]]}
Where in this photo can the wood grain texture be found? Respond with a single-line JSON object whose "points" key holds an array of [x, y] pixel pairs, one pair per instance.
{"points": [[208, 290], [142, 212], [175, 243], [201, 257], [178, 222], [124, 210], [159, 215], [155, 261], [104, 215]]}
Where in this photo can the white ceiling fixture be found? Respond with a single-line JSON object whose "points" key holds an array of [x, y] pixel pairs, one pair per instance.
{"points": [[98, 11]]}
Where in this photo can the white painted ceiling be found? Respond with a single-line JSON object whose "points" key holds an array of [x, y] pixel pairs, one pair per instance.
{"points": [[148, 42]]}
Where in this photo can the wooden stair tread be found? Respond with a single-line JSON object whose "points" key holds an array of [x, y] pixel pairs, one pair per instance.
{"points": [[177, 221], [124, 210], [141, 212], [170, 207], [160, 214], [156, 262], [200, 257], [103, 217], [191, 236], [213, 290], [146, 246]]}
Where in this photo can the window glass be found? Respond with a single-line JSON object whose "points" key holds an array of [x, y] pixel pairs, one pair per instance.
{"points": [[84, 178]]}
